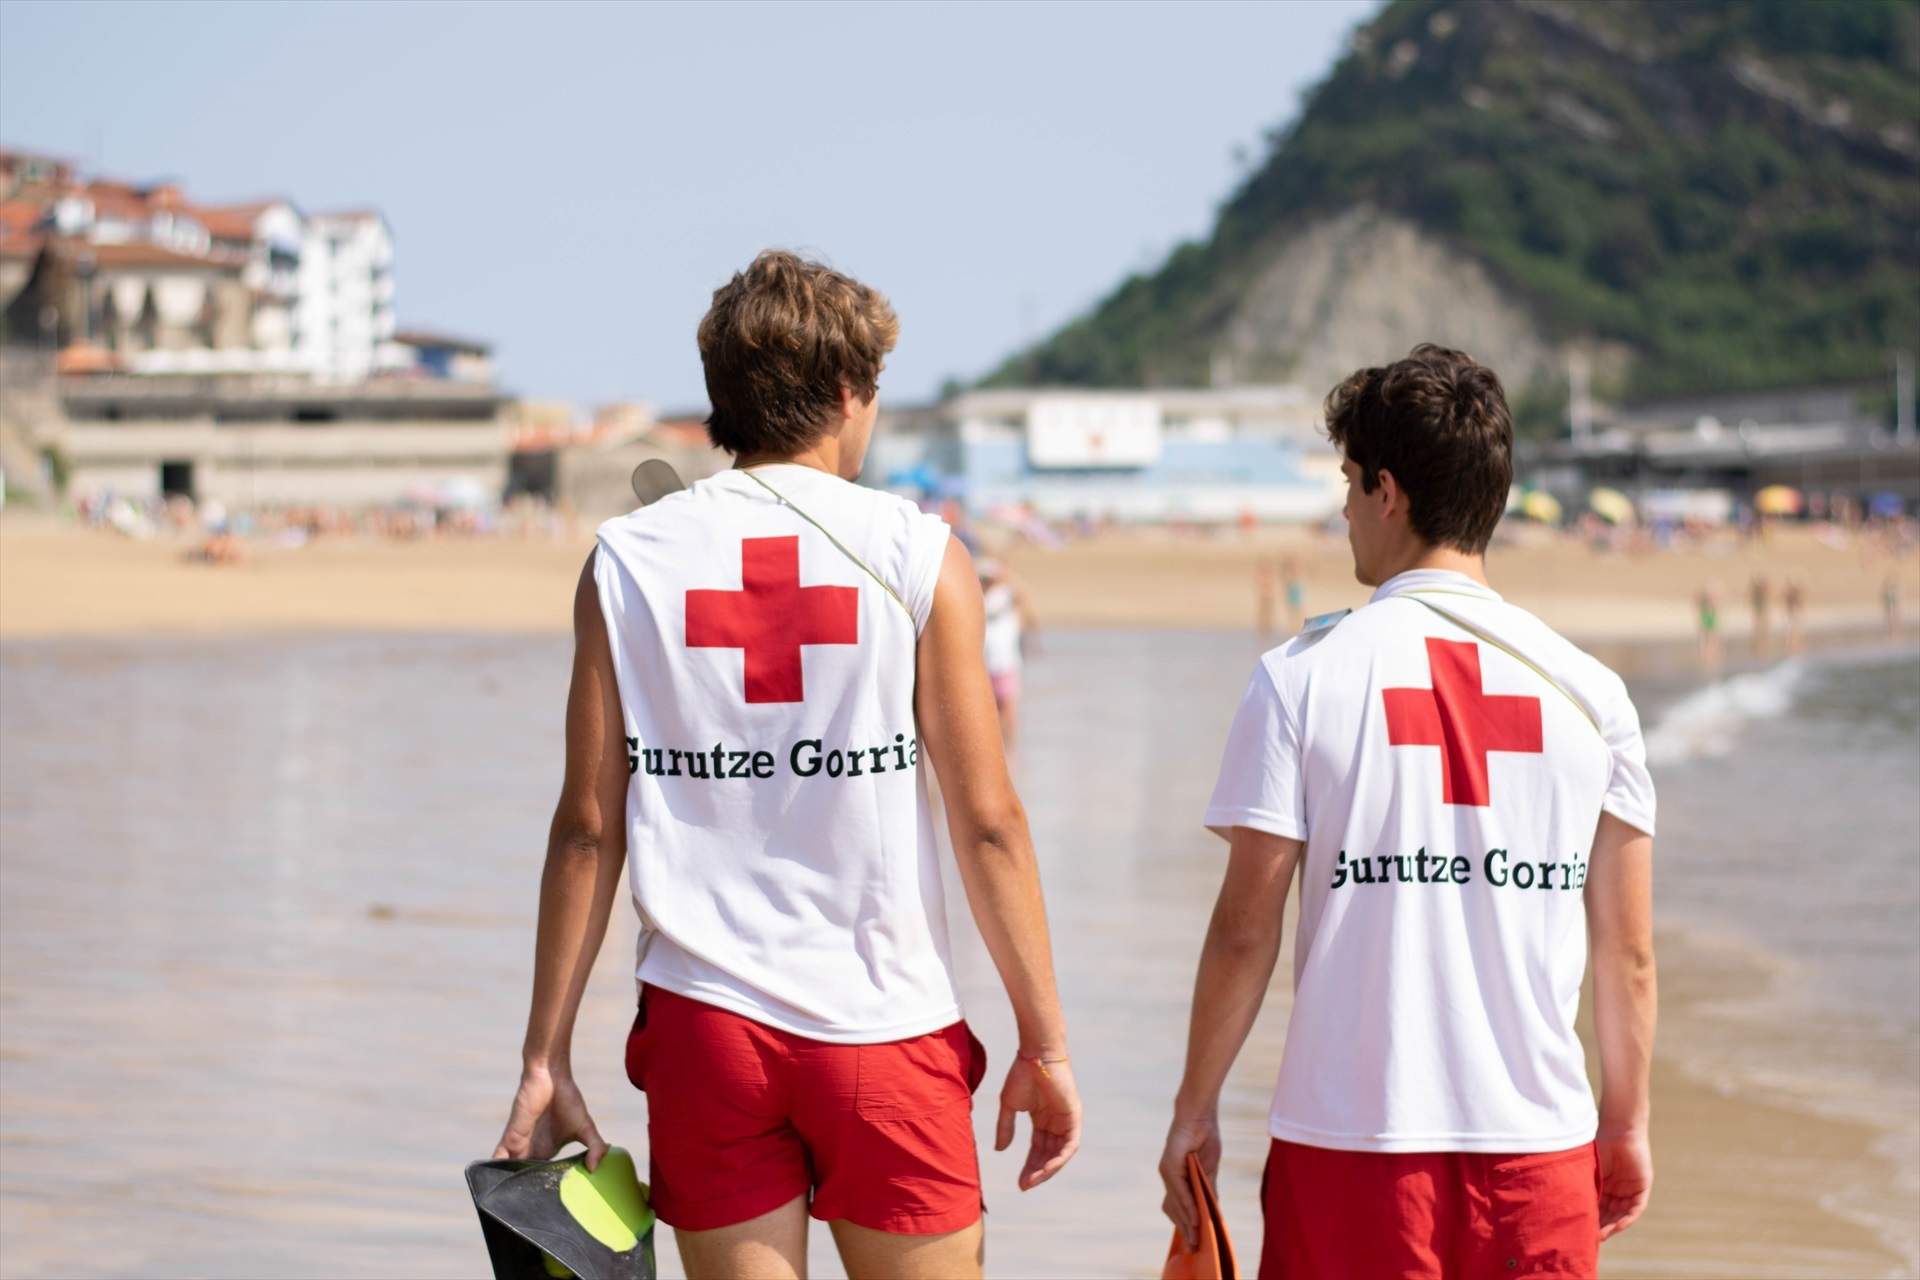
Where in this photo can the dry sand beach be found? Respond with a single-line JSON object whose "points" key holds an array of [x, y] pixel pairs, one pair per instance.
{"points": [[302, 924], [59, 580]]}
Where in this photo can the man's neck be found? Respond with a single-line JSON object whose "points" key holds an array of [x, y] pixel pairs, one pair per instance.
{"points": [[1447, 559], [822, 455]]}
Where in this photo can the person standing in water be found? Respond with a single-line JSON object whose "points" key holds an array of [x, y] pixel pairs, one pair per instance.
{"points": [[1465, 799], [763, 663], [1795, 600], [1706, 606], [1761, 594], [1296, 593], [1265, 584], [1009, 622]]}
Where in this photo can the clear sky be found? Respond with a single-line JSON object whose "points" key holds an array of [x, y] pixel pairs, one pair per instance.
{"points": [[571, 181]]}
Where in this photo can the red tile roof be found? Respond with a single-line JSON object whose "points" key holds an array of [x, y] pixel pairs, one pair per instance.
{"points": [[231, 221], [136, 254], [428, 338], [82, 358], [17, 216], [20, 244], [116, 200]]}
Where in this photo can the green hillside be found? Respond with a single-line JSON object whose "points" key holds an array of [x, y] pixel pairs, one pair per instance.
{"points": [[1728, 188]]}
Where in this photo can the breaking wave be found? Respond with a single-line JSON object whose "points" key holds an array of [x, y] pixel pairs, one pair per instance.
{"points": [[1709, 722]]}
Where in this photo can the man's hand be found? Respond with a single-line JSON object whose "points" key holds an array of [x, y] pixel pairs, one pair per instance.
{"points": [[1047, 1094], [1626, 1179], [1200, 1136], [548, 1113]]}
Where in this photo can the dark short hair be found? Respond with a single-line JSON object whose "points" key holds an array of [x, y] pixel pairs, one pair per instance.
{"points": [[1438, 421], [778, 343]]}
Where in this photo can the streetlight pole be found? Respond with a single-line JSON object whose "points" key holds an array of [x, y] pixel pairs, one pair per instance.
{"points": [[1903, 397]]}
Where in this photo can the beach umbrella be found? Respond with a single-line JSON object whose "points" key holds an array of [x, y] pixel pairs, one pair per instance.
{"points": [[1540, 506], [463, 493], [1611, 505], [919, 477], [1777, 500], [1885, 504]]}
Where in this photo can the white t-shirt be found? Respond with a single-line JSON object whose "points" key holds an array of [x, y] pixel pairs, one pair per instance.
{"points": [[780, 847], [1448, 796]]}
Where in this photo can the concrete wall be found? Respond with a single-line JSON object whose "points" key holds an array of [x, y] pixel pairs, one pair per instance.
{"points": [[278, 463], [597, 482], [13, 277]]}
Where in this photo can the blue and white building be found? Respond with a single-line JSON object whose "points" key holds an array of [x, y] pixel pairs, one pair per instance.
{"points": [[1148, 455]]}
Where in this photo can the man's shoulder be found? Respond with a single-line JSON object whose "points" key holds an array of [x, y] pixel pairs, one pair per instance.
{"points": [[1568, 660], [1328, 639], [883, 503], [650, 518]]}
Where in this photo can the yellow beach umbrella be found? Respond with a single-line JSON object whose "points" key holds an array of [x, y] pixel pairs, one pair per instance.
{"points": [[1777, 500], [1540, 506], [1611, 505]]}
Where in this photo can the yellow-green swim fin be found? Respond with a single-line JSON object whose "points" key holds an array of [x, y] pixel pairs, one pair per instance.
{"points": [[551, 1219]]}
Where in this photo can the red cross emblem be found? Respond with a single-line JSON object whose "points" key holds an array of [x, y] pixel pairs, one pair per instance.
{"points": [[1462, 721], [771, 617]]}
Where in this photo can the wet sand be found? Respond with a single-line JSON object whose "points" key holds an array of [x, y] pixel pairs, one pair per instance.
{"points": [[265, 934], [56, 579], [1747, 1184]]}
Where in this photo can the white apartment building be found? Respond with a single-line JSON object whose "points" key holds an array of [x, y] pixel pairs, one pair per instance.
{"points": [[345, 321], [268, 235], [319, 289]]}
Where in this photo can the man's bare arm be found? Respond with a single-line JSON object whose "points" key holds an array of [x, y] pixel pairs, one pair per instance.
{"points": [[586, 849], [1619, 899], [960, 732], [1236, 964]]}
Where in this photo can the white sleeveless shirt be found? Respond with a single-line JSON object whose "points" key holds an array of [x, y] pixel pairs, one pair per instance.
{"points": [[779, 842]]}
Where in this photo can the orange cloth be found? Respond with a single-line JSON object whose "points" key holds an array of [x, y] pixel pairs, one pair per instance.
{"points": [[1213, 1259]]}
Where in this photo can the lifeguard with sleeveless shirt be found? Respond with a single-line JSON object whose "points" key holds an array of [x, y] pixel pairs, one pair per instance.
{"points": [[766, 661]]}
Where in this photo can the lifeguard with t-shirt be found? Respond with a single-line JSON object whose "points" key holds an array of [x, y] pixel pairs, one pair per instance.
{"points": [[1464, 798], [767, 662]]}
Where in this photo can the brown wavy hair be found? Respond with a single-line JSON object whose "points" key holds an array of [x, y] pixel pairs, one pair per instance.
{"points": [[778, 343], [1438, 420]]}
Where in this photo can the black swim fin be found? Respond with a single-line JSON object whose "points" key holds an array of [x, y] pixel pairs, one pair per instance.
{"points": [[550, 1219]]}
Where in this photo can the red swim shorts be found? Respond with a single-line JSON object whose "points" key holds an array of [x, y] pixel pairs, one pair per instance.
{"points": [[1338, 1214], [742, 1118]]}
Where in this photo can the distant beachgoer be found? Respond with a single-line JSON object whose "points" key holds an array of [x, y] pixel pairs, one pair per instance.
{"points": [[767, 664], [1890, 605], [1008, 626], [1264, 591], [1707, 605], [1296, 594], [1761, 594], [1795, 599], [1464, 797], [219, 549]]}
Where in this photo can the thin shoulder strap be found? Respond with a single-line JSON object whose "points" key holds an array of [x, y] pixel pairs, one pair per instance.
{"points": [[1505, 648], [788, 503]]}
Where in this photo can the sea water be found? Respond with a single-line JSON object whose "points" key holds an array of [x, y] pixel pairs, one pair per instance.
{"points": [[267, 906]]}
